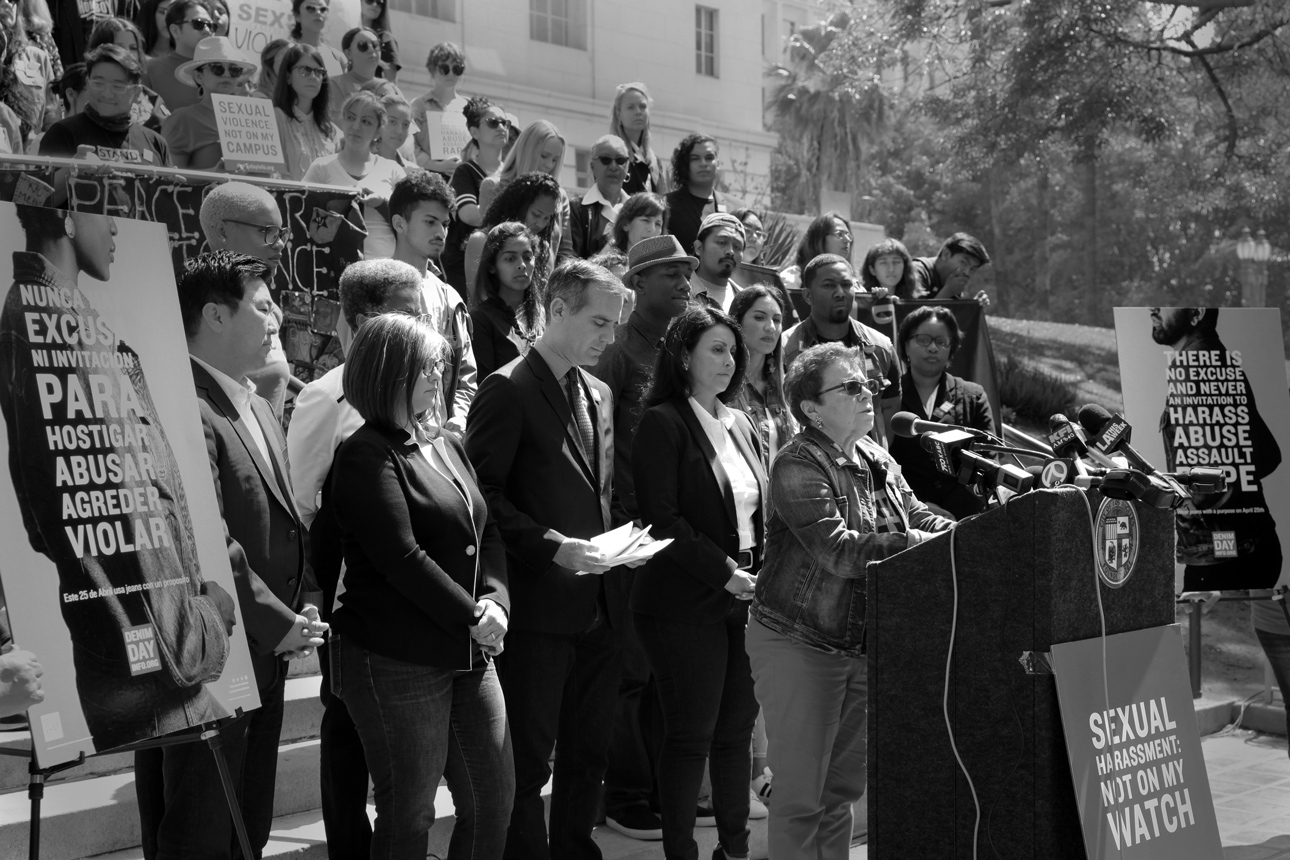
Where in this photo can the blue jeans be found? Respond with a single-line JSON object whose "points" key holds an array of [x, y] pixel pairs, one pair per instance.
{"points": [[705, 686], [418, 723], [1277, 647]]}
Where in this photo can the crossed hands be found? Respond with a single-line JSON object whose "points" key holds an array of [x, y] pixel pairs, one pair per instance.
{"points": [[489, 628], [304, 636]]}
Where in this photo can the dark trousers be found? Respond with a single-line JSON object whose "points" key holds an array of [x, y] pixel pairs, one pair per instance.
{"points": [[182, 809], [705, 686], [638, 730], [561, 693], [342, 774], [1277, 648]]}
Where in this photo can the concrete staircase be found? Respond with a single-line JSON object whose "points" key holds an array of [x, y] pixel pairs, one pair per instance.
{"points": [[90, 811]]}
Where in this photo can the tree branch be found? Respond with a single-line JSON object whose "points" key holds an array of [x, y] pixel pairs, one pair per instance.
{"points": [[1233, 131], [1195, 51]]}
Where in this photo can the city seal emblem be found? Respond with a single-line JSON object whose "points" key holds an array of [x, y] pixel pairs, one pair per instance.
{"points": [[1116, 538]]}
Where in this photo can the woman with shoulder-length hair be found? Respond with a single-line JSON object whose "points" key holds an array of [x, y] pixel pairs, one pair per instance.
{"points": [[301, 100], [759, 310], [641, 216], [534, 200], [425, 603], [888, 270], [700, 481], [827, 234], [506, 305], [838, 502], [539, 149], [629, 119]]}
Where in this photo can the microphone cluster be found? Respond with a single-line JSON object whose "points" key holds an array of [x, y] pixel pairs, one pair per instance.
{"points": [[1096, 454]]}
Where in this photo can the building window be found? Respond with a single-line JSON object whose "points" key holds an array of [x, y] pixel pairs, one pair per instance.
{"points": [[705, 41], [559, 22], [440, 10], [582, 167]]}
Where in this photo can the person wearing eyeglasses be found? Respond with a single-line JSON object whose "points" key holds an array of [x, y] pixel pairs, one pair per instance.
{"points": [[754, 235], [482, 156], [826, 234], [838, 501], [311, 19], [446, 63], [591, 219], [191, 132], [301, 100], [362, 48], [105, 128], [928, 339], [696, 169], [188, 22]]}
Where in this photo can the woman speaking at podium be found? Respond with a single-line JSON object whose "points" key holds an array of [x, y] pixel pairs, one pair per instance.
{"points": [[837, 502]]}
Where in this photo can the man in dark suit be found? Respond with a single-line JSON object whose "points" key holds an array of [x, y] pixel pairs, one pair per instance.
{"points": [[540, 435], [227, 312]]}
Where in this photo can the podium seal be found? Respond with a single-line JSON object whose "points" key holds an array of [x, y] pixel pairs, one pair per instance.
{"points": [[1119, 535]]}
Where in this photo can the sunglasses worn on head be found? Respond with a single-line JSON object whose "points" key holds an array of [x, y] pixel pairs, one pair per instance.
{"points": [[856, 387], [221, 70], [607, 160], [312, 72], [457, 69]]}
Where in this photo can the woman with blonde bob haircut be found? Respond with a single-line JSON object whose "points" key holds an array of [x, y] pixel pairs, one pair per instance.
{"points": [[629, 119], [539, 149], [425, 605]]}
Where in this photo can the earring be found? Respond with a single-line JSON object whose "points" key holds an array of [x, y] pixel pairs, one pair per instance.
{"points": [[819, 423], [69, 226], [685, 364]]}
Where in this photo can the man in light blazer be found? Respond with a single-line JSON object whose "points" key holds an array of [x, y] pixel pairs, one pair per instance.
{"points": [[228, 318], [540, 435]]}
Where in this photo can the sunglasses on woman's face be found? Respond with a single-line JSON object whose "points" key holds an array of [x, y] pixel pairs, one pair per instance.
{"points": [[365, 45], [221, 70], [312, 72], [201, 25], [494, 122], [856, 387], [457, 69]]}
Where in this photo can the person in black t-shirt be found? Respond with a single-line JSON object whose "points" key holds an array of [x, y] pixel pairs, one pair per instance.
{"points": [[103, 129], [696, 169]]}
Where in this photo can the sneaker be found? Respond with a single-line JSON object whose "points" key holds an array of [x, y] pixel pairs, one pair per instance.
{"points": [[761, 786], [705, 817], [636, 822], [756, 809]]}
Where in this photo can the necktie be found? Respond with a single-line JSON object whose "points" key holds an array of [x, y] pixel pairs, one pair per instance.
{"points": [[581, 415]]}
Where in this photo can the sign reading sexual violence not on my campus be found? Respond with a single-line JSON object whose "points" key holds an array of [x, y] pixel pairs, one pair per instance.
{"points": [[1207, 387], [1134, 747], [115, 570]]}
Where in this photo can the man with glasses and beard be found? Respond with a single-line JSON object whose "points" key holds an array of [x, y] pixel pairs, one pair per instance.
{"points": [[188, 22], [591, 219]]}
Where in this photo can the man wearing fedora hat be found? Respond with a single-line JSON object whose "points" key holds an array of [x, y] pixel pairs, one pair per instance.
{"points": [[191, 132], [659, 274], [719, 248]]}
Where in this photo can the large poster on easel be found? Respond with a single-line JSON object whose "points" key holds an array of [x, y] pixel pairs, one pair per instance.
{"points": [[1207, 387], [115, 569]]}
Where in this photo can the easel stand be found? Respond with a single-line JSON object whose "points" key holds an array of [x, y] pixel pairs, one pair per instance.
{"points": [[210, 733]]}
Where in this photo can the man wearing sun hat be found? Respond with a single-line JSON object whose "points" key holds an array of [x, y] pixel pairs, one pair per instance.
{"points": [[191, 132], [659, 273], [719, 247]]}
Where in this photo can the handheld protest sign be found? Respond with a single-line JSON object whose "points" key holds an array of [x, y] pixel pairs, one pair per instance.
{"points": [[116, 572], [249, 135]]}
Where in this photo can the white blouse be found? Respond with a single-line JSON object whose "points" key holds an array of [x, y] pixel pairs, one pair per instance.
{"points": [[743, 482]]}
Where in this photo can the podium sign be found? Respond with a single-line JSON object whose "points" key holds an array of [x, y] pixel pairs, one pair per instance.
{"points": [[1134, 748]]}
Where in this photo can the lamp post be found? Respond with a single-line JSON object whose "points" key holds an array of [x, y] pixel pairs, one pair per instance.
{"points": [[1253, 253]]}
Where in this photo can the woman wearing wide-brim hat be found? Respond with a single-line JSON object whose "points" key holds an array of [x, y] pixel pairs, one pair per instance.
{"points": [[216, 67]]}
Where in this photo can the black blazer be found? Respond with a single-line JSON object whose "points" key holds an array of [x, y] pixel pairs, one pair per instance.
{"points": [[584, 228], [417, 557], [683, 491], [523, 442], [266, 540]]}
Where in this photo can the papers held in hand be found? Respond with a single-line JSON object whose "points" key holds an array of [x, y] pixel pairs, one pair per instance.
{"points": [[626, 544]]}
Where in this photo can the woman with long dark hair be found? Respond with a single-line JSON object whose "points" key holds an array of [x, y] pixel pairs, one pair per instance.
{"points": [[539, 149], [700, 481], [827, 234], [506, 304], [533, 200], [151, 20], [300, 101], [375, 16], [759, 310], [486, 123]]}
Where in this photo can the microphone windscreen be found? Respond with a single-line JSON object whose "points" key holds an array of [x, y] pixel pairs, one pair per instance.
{"points": [[1093, 418], [902, 424]]}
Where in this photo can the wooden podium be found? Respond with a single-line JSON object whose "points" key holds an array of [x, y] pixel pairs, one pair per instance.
{"points": [[1026, 580]]}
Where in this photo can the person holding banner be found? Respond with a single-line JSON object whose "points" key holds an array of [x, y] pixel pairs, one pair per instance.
{"points": [[446, 63], [927, 341], [105, 128], [300, 100], [888, 270], [216, 67], [357, 164], [20, 688]]}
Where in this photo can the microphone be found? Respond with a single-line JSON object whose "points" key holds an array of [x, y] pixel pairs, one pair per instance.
{"points": [[1110, 434], [1068, 442], [908, 424], [1199, 480]]}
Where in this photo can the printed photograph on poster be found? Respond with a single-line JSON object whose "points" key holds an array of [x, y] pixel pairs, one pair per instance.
{"points": [[115, 572], [1207, 387]]}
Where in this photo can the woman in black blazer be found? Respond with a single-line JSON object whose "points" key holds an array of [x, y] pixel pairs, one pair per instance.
{"points": [[700, 482], [423, 603]]}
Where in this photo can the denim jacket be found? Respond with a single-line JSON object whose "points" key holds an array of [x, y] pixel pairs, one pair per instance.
{"points": [[822, 534]]}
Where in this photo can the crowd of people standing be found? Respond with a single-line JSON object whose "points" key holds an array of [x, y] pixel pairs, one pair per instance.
{"points": [[523, 371]]}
